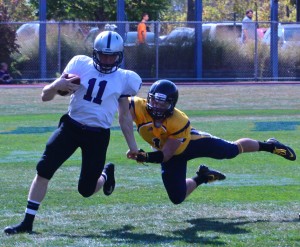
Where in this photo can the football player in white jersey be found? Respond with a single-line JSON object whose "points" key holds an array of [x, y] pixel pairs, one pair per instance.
{"points": [[103, 90]]}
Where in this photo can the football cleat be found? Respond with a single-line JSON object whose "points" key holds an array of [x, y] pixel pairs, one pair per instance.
{"points": [[20, 228], [109, 173], [208, 175], [282, 150]]}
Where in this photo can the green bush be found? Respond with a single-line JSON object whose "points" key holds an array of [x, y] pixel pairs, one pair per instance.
{"points": [[222, 58], [26, 62], [8, 37], [228, 58]]}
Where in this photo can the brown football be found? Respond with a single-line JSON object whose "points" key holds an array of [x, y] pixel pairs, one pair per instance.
{"points": [[69, 76]]}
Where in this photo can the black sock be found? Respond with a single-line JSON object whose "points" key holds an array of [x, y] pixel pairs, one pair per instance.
{"points": [[268, 147], [30, 212], [198, 180], [104, 176], [28, 219]]}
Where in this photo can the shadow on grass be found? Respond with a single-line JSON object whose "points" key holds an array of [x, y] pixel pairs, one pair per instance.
{"points": [[192, 235], [198, 226]]}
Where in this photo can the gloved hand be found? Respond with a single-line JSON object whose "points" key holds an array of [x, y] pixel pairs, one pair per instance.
{"points": [[142, 156]]}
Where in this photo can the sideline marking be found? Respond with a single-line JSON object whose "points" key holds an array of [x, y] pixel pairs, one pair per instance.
{"points": [[276, 126], [36, 130]]}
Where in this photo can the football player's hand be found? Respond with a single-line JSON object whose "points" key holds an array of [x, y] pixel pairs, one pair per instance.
{"points": [[61, 84], [142, 156], [65, 84], [73, 81], [131, 154]]}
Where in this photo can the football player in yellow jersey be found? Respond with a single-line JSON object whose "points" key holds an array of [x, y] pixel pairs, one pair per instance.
{"points": [[174, 142]]}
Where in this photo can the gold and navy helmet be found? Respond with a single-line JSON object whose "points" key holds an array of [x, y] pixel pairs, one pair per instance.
{"points": [[108, 43], [162, 99]]}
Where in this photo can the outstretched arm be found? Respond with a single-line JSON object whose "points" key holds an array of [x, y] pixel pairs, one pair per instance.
{"points": [[160, 156], [126, 124]]}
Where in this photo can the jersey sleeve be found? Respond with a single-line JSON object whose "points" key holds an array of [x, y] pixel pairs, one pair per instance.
{"points": [[77, 64], [179, 126], [132, 85], [180, 130]]}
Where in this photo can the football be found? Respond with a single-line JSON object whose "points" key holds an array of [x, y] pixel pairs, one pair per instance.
{"points": [[69, 76]]}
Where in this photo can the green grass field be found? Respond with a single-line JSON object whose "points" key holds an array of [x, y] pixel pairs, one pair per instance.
{"points": [[257, 205]]}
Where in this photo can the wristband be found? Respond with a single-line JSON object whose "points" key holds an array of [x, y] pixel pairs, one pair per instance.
{"points": [[141, 157], [155, 157]]}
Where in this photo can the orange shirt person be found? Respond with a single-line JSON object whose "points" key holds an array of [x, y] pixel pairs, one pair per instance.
{"points": [[142, 29]]}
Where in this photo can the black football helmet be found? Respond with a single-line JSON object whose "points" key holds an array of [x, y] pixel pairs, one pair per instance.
{"points": [[162, 99], [108, 43]]}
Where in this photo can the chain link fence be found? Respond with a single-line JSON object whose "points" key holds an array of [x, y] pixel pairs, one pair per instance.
{"points": [[169, 52]]}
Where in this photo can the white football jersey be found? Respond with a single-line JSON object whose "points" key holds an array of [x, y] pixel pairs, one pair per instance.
{"points": [[95, 103]]}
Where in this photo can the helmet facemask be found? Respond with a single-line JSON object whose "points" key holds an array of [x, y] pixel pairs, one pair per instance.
{"points": [[162, 99], [158, 106], [108, 43], [107, 68]]}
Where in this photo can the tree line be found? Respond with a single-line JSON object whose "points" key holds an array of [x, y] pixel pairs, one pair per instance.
{"points": [[105, 10], [163, 10]]}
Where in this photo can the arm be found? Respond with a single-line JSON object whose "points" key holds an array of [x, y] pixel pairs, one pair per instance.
{"points": [[245, 27], [170, 148], [61, 83], [126, 124], [49, 91], [245, 34], [144, 33], [164, 155]]}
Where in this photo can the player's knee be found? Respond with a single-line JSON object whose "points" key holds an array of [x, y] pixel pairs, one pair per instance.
{"points": [[87, 185], [44, 171], [176, 199], [85, 191]]}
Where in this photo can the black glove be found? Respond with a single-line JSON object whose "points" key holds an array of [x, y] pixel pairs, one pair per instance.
{"points": [[151, 157], [142, 156]]}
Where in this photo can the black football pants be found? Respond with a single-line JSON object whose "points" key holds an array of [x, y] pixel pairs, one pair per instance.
{"points": [[63, 143]]}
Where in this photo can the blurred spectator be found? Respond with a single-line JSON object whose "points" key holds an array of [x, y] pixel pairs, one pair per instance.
{"points": [[142, 43], [5, 77], [142, 29], [248, 27]]}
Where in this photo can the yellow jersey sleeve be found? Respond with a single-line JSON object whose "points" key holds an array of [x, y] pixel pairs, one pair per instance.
{"points": [[177, 126]]}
